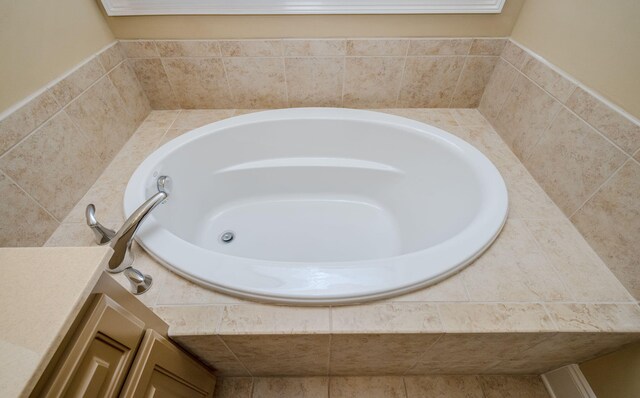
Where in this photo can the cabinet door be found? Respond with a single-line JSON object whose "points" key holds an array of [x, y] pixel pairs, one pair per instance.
{"points": [[100, 356], [162, 370]]}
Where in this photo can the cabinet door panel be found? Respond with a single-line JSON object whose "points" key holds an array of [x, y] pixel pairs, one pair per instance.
{"points": [[103, 349], [162, 370]]}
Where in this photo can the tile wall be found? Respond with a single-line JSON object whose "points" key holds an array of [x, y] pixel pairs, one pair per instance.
{"points": [[354, 73], [54, 147], [583, 152]]}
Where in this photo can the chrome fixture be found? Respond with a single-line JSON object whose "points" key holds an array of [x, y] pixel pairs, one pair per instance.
{"points": [[122, 240], [227, 237]]}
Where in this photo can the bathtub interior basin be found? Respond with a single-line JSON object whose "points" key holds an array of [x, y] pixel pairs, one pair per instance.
{"points": [[319, 205]]}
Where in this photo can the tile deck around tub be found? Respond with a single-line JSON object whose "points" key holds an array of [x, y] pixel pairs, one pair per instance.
{"points": [[538, 298]]}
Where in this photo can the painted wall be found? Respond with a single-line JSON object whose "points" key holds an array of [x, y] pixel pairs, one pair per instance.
{"points": [[265, 26], [596, 41], [40, 40], [615, 375]]}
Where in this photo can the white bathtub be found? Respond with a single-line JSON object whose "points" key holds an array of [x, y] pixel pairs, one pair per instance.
{"points": [[325, 205]]}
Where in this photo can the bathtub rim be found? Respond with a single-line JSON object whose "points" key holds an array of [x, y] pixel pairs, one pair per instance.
{"points": [[438, 273]]}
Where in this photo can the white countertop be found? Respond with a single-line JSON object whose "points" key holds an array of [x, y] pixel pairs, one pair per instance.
{"points": [[42, 290]]}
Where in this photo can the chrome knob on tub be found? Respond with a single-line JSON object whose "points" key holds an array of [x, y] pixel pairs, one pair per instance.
{"points": [[122, 240]]}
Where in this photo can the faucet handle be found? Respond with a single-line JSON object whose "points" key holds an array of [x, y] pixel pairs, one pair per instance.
{"points": [[102, 234], [140, 282]]}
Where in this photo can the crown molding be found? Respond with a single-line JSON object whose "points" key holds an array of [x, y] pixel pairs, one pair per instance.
{"points": [[240, 7]]}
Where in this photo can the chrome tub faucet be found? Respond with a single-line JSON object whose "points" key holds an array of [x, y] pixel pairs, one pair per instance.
{"points": [[122, 240]]}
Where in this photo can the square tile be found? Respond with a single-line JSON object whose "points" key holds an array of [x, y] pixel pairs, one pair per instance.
{"points": [[272, 319], [198, 82], [421, 47], [300, 387], [571, 161], [550, 80], [139, 48], [233, 387], [497, 90], [584, 274], [112, 56], [513, 387], [372, 81], [283, 355], [313, 47], [27, 118], [56, 165], [495, 317], [154, 81], [256, 82], [67, 89], [188, 48], [376, 354], [214, 352], [472, 82], [487, 46], [377, 47], [23, 222], [429, 82], [370, 387], [609, 221], [314, 81], [526, 115], [131, 92], [619, 129], [513, 269], [443, 386], [251, 48], [94, 113]]}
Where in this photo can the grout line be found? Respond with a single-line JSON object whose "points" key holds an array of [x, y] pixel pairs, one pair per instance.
{"points": [[596, 130], [507, 97], [224, 343], [231, 93], [577, 82], [455, 89], [553, 319], [572, 112], [173, 92], [62, 108], [548, 260], [344, 79], [404, 384], [286, 84], [318, 56], [32, 198], [540, 136], [329, 356], [597, 190], [402, 76], [423, 354]]}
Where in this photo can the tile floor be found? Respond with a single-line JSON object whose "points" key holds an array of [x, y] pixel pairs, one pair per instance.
{"points": [[468, 386]]}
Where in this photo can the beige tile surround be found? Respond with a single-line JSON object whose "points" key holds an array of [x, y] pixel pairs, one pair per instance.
{"points": [[54, 147], [584, 153], [355, 73], [470, 386], [537, 299]]}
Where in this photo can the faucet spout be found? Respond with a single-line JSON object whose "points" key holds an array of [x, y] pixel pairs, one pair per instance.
{"points": [[121, 243]]}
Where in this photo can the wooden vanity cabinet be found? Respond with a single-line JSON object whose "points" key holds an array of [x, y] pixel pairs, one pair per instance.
{"points": [[163, 370], [113, 353]]}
